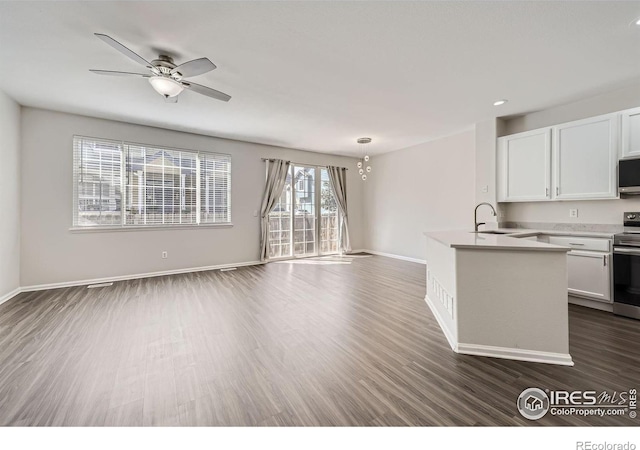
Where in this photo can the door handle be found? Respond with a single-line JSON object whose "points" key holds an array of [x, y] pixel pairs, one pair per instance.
{"points": [[626, 251]]}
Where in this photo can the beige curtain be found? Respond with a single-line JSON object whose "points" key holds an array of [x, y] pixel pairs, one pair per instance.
{"points": [[338, 179], [276, 178]]}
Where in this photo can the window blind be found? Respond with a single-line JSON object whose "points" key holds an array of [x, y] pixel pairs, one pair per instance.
{"points": [[160, 185], [97, 182], [215, 188], [126, 184]]}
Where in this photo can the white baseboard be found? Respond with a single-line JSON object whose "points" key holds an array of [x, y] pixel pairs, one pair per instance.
{"points": [[42, 287], [562, 359], [453, 342], [391, 255], [8, 296]]}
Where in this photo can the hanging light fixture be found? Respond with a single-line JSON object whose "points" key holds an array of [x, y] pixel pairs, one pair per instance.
{"points": [[365, 159]]}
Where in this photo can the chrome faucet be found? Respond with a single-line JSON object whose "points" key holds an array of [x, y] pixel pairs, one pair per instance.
{"points": [[475, 213]]}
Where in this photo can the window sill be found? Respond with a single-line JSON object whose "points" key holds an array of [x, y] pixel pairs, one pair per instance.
{"points": [[148, 228]]}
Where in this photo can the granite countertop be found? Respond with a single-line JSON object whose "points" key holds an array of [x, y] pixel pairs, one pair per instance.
{"points": [[482, 241]]}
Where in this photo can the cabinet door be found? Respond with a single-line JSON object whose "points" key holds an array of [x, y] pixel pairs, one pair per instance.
{"points": [[590, 275], [585, 158], [631, 132], [524, 172]]}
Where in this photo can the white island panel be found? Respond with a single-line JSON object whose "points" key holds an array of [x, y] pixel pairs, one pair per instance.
{"points": [[500, 298], [515, 305]]}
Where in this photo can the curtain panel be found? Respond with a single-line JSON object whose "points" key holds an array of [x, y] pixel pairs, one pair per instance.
{"points": [[276, 178], [338, 180]]}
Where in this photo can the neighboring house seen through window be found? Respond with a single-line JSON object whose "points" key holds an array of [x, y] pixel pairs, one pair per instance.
{"points": [[124, 184]]}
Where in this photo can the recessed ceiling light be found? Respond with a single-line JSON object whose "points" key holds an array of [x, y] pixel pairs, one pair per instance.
{"points": [[500, 102]]}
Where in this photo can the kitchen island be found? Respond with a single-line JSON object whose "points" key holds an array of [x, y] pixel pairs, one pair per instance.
{"points": [[499, 296]]}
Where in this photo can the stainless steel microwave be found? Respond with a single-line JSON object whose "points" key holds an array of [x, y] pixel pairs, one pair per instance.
{"points": [[629, 176]]}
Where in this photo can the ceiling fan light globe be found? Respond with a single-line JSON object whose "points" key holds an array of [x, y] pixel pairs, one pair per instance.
{"points": [[359, 164], [366, 157], [166, 86]]}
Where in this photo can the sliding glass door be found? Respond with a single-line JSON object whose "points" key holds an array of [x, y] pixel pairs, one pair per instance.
{"points": [[304, 223], [305, 215]]}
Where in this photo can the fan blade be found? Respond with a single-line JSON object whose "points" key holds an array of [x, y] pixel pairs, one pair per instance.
{"points": [[195, 67], [124, 50], [119, 74], [200, 89], [171, 99]]}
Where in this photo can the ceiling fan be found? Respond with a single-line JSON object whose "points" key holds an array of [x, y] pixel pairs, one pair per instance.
{"points": [[165, 76]]}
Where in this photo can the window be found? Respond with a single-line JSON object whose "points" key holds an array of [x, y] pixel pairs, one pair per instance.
{"points": [[124, 184]]}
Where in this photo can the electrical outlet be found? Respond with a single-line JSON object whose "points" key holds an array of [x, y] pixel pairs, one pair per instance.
{"points": [[485, 189], [165, 255], [573, 213]]}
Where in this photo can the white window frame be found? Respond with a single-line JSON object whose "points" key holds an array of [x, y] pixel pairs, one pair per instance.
{"points": [[124, 194]]}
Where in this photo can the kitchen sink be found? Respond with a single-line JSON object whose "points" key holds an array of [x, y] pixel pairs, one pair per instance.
{"points": [[494, 232]]}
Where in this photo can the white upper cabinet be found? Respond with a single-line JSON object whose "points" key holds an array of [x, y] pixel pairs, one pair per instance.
{"points": [[630, 132], [585, 157], [524, 166]]}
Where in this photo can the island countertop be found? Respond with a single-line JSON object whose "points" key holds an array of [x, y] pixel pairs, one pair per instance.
{"points": [[484, 241]]}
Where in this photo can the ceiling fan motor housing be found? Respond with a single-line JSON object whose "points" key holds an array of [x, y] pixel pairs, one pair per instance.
{"points": [[164, 65]]}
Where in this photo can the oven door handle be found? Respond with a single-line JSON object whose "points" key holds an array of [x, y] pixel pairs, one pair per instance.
{"points": [[630, 243], [626, 251]]}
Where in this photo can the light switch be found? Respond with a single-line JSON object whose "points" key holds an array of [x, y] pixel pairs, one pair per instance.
{"points": [[573, 213]]}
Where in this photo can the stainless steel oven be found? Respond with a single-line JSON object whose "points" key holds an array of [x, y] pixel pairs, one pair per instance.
{"points": [[626, 268]]}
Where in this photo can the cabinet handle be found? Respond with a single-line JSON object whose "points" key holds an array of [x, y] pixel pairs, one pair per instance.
{"points": [[546, 192], [557, 190], [604, 260], [574, 243]]}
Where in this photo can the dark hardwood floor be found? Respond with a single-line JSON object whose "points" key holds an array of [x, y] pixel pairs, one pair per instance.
{"points": [[314, 342]]}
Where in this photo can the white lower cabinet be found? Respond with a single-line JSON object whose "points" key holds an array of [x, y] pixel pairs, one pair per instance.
{"points": [[588, 266], [590, 274]]}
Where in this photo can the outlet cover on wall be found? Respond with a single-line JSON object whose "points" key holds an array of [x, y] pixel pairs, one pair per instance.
{"points": [[573, 213], [165, 255]]}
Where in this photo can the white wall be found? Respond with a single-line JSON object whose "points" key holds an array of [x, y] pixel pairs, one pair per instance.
{"points": [[487, 133], [422, 188], [50, 253], [9, 195], [619, 99], [597, 211]]}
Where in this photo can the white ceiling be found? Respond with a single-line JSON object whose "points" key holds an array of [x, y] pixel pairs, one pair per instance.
{"points": [[318, 75]]}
